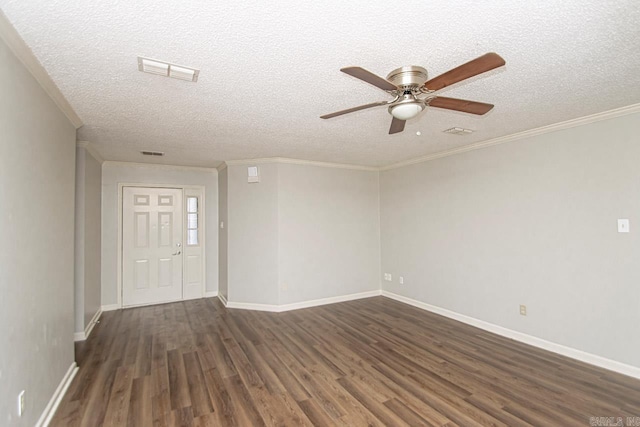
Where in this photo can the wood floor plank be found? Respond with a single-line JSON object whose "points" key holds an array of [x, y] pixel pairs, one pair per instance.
{"points": [[118, 406], [178, 384], [370, 362], [220, 398], [200, 399], [140, 412], [245, 411]]}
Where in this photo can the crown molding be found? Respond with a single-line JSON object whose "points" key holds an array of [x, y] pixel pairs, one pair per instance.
{"points": [[618, 112], [91, 150], [158, 165], [605, 115], [287, 160], [11, 37]]}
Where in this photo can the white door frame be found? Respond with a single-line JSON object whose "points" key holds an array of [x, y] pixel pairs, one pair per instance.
{"points": [[201, 220]]}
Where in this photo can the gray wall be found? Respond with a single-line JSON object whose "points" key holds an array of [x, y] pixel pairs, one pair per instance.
{"points": [[529, 222], [329, 238], [253, 235], [37, 163], [302, 233], [88, 225], [114, 173], [222, 237]]}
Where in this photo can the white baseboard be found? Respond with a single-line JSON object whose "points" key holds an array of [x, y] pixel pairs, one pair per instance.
{"points": [[210, 294], [110, 307], [222, 299], [55, 400], [330, 300], [303, 304], [252, 306], [81, 336], [573, 353]]}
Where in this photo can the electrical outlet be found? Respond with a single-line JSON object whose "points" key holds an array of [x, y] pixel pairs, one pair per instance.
{"points": [[388, 277], [21, 403], [401, 280], [523, 310]]}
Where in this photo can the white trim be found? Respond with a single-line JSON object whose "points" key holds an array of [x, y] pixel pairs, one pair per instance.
{"points": [[222, 166], [54, 402], [210, 294], [302, 304], [605, 115], [20, 49], [253, 306], [81, 336], [91, 150], [92, 323], [199, 192], [299, 162], [110, 307], [618, 112], [222, 299], [573, 353], [330, 300], [158, 165], [121, 186]]}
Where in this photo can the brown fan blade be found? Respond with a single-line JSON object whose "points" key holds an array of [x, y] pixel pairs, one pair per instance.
{"points": [[369, 77], [463, 105], [351, 110], [397, 126], [479, 65]]}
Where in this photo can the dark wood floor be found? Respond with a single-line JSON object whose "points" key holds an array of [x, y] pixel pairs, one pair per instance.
{"points": [[366, 362]]}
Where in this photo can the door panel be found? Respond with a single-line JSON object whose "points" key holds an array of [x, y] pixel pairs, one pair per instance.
{"points": [[151, 245]]}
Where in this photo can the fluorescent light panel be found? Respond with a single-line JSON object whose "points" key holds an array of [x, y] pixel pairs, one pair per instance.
{"points": [[161, 68]]}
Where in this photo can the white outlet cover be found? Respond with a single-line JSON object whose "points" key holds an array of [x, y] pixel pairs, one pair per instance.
{"points": [[401, 280], [623, 226]]}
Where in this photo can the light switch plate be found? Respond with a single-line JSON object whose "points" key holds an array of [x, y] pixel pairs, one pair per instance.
{"points": [[623, 226]]}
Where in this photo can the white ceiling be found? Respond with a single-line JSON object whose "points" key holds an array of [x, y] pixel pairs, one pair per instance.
{"points": [[270, 69]]}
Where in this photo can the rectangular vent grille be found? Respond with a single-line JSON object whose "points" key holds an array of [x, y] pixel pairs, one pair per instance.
{"points": [[152, 153], [458, 131], [162, 68]]}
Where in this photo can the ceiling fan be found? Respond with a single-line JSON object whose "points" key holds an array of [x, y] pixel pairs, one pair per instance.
{"points": [[412, 91]]}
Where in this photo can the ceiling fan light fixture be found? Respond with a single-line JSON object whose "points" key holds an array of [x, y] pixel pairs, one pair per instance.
{"points": [[407, 110]]}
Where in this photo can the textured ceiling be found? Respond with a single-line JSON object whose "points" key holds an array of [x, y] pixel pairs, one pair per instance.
{"points": [[270, 69]]}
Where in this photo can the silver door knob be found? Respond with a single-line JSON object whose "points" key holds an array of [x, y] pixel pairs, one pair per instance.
{"points": [[177, 253], [178, 244]]}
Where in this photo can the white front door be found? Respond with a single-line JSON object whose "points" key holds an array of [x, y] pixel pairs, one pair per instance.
{"points": [[151, 245]]}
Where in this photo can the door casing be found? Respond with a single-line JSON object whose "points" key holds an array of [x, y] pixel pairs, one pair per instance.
{"points": [[192, 189]]}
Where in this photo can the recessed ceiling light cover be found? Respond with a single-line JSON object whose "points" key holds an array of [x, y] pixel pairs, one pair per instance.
{"points": [[161, 68], [458, 131]]}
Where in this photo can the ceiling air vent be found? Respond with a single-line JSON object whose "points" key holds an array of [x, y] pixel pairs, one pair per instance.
{"points": [[152, 153], [161, 68], [458, 131]]}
